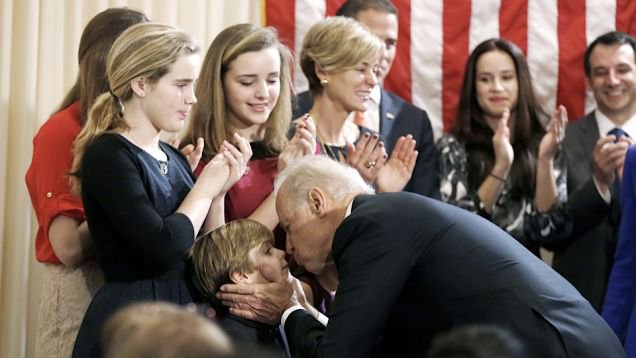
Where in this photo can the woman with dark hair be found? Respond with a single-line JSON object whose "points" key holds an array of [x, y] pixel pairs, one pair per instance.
{"points": [[62, 241], [498, 159]]}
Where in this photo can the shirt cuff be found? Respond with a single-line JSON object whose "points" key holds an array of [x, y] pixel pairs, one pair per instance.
{"points": [[607, 196], [322, 319], [289, 311]]}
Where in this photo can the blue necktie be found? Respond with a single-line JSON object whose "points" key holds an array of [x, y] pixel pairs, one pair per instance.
{"points": [[616, 186], [618, 133]]}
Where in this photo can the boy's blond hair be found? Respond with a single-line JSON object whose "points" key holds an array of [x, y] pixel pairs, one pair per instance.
{"points": [[222, 251]]}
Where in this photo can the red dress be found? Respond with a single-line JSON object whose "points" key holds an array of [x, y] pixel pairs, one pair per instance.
{"points": [[253, 188]]}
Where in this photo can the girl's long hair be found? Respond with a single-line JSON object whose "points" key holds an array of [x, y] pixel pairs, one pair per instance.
{"points": [[209, 118], [97, 39], [145, 50]]}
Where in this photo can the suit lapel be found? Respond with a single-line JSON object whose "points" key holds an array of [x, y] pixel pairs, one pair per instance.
{"points": [[589, 135], [388, 113]]}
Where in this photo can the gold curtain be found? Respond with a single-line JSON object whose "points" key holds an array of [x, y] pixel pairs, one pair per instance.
{"points": [[38, 64]]}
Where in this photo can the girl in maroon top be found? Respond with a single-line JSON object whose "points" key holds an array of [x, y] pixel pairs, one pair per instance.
{"points": [[245, 87]]}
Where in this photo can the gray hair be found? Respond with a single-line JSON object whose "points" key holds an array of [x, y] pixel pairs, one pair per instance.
{"points": [[335, 178]]}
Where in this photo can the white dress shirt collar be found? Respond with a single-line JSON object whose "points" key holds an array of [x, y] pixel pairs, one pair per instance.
{"points": [[605, 124], [376, 94]]}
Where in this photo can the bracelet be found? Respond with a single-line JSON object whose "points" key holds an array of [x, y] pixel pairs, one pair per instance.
{"points": [[503, 180]]}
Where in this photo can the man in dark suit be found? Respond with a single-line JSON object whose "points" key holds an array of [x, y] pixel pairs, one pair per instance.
{"points": [[389, 114], [409, 267], [594, 165]]}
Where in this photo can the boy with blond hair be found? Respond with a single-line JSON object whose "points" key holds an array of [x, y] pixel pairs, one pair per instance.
{"points": [[233, 253]]}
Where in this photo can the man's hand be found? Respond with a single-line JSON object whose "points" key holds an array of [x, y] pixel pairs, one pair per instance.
{"points": [[262, 302], [608, 159], [629, 142]]}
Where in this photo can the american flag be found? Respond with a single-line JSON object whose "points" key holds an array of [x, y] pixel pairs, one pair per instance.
{"points": [[436, 37]]}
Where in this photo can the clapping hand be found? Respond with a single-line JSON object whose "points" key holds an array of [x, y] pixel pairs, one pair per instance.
{"points": [[237, 157], [191, 152], [504, 153], [303, 143], [555, 134], [627, 142], [368, 156], [609, 157], [396, 173]]}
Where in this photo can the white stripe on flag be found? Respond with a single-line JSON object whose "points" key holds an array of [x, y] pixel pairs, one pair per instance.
{"points": [[426, 60], [543, 51], [484, 21], [600, 17], [307, 13]]}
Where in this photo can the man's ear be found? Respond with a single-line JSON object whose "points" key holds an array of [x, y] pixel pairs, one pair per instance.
{"points": [[139, 86], [317, 201], [238, 277]]}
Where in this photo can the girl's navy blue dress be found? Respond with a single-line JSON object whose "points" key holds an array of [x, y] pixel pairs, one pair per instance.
{"points": [[130, 199]]}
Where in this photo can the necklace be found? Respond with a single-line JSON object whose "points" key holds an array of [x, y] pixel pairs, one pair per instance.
{"points": [[156, 152], [335, 154], [163, 167]]}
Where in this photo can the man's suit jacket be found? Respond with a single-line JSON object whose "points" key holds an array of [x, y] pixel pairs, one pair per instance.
{"points": [[411, 267], [399, 118], [619, 309], [586, 258]]}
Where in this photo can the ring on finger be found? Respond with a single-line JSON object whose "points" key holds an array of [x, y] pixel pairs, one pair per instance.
{"points": [[369, 164]]}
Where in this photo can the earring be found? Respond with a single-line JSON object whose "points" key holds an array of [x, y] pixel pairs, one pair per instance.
{"points": [[324, 82]]}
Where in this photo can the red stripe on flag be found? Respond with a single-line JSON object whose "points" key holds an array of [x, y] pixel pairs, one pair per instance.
{"points": [[626, 16], [399, 80], [333, 6], [513, 22], [455, 25], [571, 33], [281, 14]]}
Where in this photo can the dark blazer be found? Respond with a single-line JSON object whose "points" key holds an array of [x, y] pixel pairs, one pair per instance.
{"points": [[619, 308], [399, 118], [252, 335], [411, 267], [586, 258]]}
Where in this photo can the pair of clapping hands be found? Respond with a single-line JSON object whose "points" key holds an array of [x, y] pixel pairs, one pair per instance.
{"points": [[389, 174], [609, 158], [548, 147], [236, 155], [368, 156]]}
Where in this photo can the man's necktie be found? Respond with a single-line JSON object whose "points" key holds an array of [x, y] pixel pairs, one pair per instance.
{"points": [[618, 133]]}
